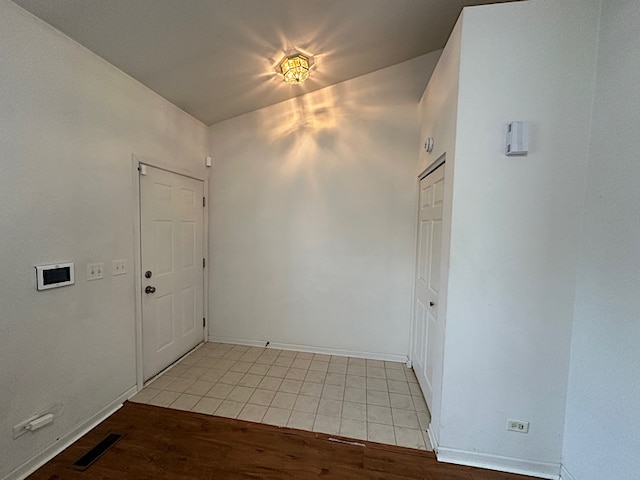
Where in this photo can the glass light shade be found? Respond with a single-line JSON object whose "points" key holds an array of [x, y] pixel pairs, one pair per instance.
{"points": [[295, 69]]}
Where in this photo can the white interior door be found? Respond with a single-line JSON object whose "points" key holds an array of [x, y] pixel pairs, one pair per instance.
{"points": [[171, 218], [427, 282]]}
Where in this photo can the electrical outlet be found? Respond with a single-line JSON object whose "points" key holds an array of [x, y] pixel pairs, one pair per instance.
{"points": [[517, 426], [21, 428], [95, 271], [119, 267], [53, 411]]}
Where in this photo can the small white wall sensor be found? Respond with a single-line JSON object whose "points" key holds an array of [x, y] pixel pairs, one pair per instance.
{"points": [[208, 161], [517, 141], [429, 144]]}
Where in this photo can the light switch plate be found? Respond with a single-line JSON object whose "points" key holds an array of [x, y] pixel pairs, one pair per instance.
{"points": [[119, 267], [95, 271]]}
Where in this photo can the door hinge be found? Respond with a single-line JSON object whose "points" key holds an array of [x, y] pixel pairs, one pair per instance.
{"points": [[204, 322], [204, 263], [204, 201]]}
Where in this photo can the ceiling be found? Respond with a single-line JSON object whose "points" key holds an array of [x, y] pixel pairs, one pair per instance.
{"points": [[214, 58]]}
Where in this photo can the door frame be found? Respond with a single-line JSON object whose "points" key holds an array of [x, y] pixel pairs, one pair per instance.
{"points": [[136, 161], [441, 161]]}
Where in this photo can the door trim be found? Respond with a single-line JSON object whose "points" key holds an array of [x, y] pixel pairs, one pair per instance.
{"points": [[137, 253], [432, 167], [416, 216]]}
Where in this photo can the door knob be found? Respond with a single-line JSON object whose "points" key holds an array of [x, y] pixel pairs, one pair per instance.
{"points": [[150, 289], [431, 304], [147, 274]]}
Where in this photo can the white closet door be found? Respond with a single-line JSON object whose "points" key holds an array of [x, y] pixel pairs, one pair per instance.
{"points": [[427, 282]]}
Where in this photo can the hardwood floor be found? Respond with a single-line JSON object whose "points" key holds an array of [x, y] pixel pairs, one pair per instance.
{"points": [[160, 443]]}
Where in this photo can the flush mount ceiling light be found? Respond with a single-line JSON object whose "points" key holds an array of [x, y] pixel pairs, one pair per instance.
{"points": [[295, 67]]}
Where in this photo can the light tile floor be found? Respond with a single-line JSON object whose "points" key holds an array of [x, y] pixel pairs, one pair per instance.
{"points": [[351, 397]]}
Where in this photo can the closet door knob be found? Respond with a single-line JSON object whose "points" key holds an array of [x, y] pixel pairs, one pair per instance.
{"points": [[431, 304], [149, 290]]}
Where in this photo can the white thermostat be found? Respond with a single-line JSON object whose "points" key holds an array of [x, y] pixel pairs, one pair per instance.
{"points": [[54, 276], [517, 142]]}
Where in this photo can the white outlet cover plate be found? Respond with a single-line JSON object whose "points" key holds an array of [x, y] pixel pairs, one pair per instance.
{"points": [[517, 426], [21, 428]]}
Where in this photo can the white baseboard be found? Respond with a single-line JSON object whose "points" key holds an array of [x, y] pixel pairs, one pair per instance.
{"points": [[565, 474], [311, 349], [549, 471], [42, 457]]}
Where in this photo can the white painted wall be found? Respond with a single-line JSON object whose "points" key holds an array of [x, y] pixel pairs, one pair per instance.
{"points": [[69, 123], [312, 217], [515, 227], [603, 405]]}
